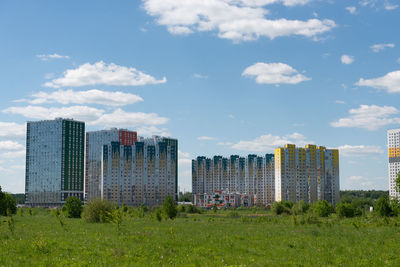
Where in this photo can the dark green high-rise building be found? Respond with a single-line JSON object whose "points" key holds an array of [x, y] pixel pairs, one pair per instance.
{"points": [[54, 161]]}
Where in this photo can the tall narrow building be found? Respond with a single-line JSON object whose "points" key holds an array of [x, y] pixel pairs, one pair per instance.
{"points": [[94, 144], [54, 161], [142, 173], [393, 140], [309, 174]]}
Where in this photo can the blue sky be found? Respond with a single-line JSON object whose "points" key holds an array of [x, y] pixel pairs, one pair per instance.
{"points": [[223, 76]]}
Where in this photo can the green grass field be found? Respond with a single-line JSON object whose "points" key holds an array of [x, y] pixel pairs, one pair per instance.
{"points": [[251, 238]]}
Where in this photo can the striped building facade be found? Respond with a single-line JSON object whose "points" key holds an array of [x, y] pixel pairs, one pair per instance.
{"points": [[253, 176], [309, 174], [393, 140], [143, 173]]}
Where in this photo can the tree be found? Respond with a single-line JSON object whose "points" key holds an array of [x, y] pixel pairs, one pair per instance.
{"points": [[322, 208], [73, 207], [345, 210], [300, 207], [382, 207], [97, 210], [169, 208], [280, 207], [397, 187], [8, 205]]}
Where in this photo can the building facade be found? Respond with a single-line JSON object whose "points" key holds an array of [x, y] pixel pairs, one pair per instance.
{"points": [[252, 176], [143, 173], [309, 174], [54, 161], [94, 144], [393, 140]]}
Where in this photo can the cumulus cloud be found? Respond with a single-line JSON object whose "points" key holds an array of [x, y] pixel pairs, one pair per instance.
{"points": [[369, 117], [389, 6], [14, 154], [47, 57], [206, 138], [12, 130], [236, 20], [102, 73], [390, 82], [380, 47], [359, 151], [274, 73], [269, 142], [184, 158], [200, 76], [93, 96], [352, 9], [346, 59], [10, 145]]}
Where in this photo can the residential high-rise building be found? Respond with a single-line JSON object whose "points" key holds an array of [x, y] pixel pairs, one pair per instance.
{"points": [[94, 144], [251, 176], [393, 141], [309, 174], [143, 173], [54, 161]]}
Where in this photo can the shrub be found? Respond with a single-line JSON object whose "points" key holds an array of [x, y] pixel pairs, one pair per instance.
{"points": [[280, 207], [158, 214], [345, 210], [73, 207], [300, 207], [192, 209], [8, 205], [169, 208], [382, 207], [322, 208], [97, 210]]}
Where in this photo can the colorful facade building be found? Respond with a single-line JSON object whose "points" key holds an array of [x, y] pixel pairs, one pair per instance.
{"points": [[94, 144], [309, 174], [393, 140], [54, 161], [223, 199], [143, 173], [252, 176]]}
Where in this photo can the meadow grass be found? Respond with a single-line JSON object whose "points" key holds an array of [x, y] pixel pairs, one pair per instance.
{"points": [[239, 238]]}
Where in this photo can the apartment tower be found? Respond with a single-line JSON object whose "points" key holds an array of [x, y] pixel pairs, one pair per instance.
{"points": [[393, 137]]}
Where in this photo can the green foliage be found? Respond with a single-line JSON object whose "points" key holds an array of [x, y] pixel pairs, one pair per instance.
{"points": [[169, 208], [20, 212], [382, 207], [73, 207], [8, 205], [280, 207], [185, 197], [214, 208], [300, 207], [97, 210], [19, 198], [322, 208], [11, 224], [59, 216], [115, 216], [158, 214], [345, 210], [398, 183], [124, 208]]}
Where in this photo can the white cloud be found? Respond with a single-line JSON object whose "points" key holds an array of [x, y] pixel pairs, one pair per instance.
{"points": [[13, 154], [225, 143], [346, 59], [369, 117], [184, 158], [340, 102], [360, 151], [120, 118], [269, 142], [93, 96], [380, 47], [12, 129], [352, 9], [51, 56], [10, 145], [93, 116], [389, 6], [200, 76], [101, 73], [206, 138], [236, 20], [77, 112], [274, 73], [390, 82]]}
